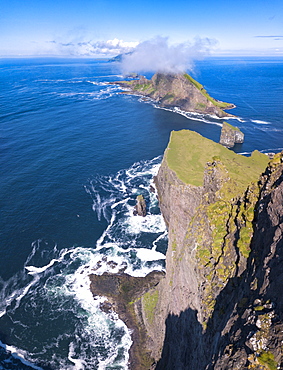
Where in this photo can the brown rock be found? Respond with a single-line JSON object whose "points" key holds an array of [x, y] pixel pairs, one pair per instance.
{"points": [[140, 207]]}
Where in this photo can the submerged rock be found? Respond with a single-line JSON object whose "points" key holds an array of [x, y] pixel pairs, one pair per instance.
{"points": [[230, 135]]}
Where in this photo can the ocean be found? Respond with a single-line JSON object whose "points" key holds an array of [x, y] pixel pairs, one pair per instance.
{"points": [[75, 153]]}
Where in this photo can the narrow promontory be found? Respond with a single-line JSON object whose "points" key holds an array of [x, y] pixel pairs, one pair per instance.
{"points": [[220, 304], [177, 91]]}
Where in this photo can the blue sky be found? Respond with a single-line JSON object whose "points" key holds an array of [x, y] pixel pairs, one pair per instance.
{"points": [[106, 27]]}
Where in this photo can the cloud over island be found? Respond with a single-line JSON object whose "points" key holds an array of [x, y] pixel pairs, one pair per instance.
{"points": [[156, 54]]}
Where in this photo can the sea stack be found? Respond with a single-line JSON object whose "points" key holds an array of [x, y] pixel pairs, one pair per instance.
{"points": [[230, 135], [140, 207]]}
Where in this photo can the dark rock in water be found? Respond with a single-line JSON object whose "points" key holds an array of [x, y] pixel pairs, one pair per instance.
{"points": [[152, 189], [230, 135], [140, 207], [112, 264], [106, 307]]}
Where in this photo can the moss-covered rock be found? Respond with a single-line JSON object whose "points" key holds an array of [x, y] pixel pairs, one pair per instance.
{"points": [[124, 294]]}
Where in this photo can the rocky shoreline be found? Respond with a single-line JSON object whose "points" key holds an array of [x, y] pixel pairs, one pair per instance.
{"points": [[123, 294]]}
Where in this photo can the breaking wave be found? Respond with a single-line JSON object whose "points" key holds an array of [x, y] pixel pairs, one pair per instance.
{"points": [[57, 322]]}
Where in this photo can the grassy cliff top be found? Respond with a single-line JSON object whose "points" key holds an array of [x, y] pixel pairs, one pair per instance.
{"points": [[235, 128], [188, 152], [217, 103]]}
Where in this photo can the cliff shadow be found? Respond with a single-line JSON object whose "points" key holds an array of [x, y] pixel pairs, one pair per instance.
{"points": [[183, 342], [255, 294]]}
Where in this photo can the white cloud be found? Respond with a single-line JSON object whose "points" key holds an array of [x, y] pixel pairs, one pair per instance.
{"points": [[97, 48], [158, 55]]}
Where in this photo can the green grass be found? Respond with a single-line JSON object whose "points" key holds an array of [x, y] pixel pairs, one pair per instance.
{"points": [[267, 359], [231, 126], [188, 153], [150, 300], [217, 103], [142, 87]]}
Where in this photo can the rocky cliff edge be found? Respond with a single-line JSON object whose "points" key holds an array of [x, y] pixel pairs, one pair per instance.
{"points": [[220, 305]]}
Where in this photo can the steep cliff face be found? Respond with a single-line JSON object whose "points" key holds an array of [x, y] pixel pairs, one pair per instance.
{"points": [[219, 306], [178, 90]]}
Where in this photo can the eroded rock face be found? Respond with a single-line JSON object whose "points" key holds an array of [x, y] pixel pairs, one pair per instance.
{"points": [[220, 305], [230, 135]]}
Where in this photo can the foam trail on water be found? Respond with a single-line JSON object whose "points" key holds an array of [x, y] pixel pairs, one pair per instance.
{"points": [[265, 151], [260, 122], [32, 270], [206, 118], [60, 287], [117, 197]]}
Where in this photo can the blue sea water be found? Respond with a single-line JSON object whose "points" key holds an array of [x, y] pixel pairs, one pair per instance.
{"points": [[75, 153]]}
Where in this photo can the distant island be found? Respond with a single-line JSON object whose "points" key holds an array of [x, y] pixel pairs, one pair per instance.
{"points": [[181, 91]]}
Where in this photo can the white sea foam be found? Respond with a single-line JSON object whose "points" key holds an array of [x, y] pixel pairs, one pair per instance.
{"points": [[206, 118], [97, 83], [260, 122], [236, 118], [103, 93], [149, 224], [20, 355], [98, 329], [149, 255], [32, 270], [55, 282], [13, 292], [265, 151], [72, 282], [272, 150]]}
